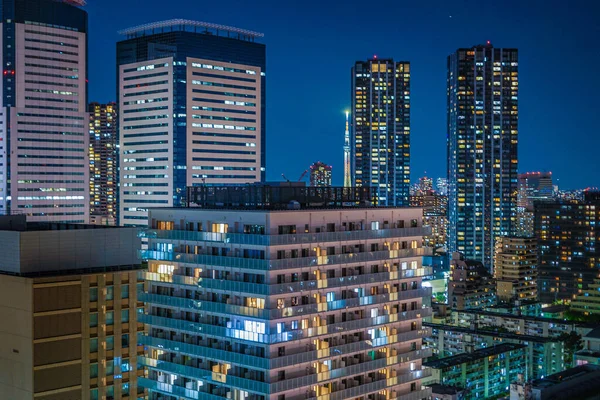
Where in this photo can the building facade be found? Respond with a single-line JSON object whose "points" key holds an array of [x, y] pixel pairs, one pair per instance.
{"points": [[543, 356], [320, 174], [69, 306], [264, 304], [470, 286], [482, 148], [483, 374], [568, 246], [44, 169], [380, 142], [191, 112], [435, 215], [104, 155], [515, 268]]}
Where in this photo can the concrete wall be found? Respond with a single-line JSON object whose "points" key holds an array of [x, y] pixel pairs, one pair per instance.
{"points": [[9, 251], [43, 251], [16, 338]]}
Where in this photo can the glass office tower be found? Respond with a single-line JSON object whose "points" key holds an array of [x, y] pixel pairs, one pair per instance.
{"points": [[43, 110], [192, 112], [482, 148], [285, 304], [380, 137]]}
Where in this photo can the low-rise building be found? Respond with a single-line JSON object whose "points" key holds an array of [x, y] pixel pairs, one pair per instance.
{"points": [[518, 324], [590, 354], [588, 302], [470, 285], [68, 311], [483, 373], [544, 356], [581, 383]]}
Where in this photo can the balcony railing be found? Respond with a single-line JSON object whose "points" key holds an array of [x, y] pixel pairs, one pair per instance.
{"points": [[288, 263], [282, 240]]}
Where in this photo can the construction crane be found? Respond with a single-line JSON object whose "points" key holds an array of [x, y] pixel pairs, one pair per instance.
{"points": [[299, 179], [303, 174]]}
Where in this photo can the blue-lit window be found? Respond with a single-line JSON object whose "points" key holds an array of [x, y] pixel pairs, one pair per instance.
{"points": [[93, 320], [125, 340], [125, 389], [124, 316], [110, 318], [94, 296], [124, 291], [93, 345], [110, 343], [94, 394], [93, 370], [110, 293]]}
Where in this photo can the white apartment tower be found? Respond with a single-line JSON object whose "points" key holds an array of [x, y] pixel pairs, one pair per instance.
{"points": [[43, 111], [192, 99]]}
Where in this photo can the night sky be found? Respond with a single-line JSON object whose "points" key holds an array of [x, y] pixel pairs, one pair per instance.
{"points": [[312, 44]]}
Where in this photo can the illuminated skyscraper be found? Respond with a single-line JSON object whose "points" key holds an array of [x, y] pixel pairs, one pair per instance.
{"points": [[380, 141], [347, 156], [568, 246], [44, 169], [320, 174], [191, 112], [104, 154], [482, 148]]}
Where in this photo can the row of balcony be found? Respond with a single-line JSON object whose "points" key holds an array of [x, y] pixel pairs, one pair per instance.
{"points": [[261, 387], [289, 263], [222, 332], [291, 287], [286, 239], [273, 314]]}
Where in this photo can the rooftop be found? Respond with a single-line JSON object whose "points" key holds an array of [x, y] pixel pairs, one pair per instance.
{"points": [[476, 355], [436, 388], [186, 25], [566, 375], [18, 223], [487, 332], [524, 317], [280, 196]]}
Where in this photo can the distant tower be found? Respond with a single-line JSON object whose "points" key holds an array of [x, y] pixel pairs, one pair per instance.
{"points": [[347, 174], [320, 174]]}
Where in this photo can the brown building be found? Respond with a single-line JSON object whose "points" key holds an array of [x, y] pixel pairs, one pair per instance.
{"points": [[68, 306], [516, 268]]}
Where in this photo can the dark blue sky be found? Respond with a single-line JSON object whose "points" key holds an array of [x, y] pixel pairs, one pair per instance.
{"points": [[312, 44]]}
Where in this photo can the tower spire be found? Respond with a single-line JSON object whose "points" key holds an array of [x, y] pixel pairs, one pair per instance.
{"points": [[347, 178]]}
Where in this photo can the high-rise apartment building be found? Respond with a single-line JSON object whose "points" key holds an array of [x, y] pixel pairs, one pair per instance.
{"points": [[515, 268], [104, 154], [43, 110], [380, 141], [271, 303], [69, 308], [320, 174], [482, 148], [568, 246], [191, 112]]}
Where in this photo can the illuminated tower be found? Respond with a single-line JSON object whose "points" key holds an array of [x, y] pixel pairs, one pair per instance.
{"points": [[347, 174], [482, 148], [381, 128]]}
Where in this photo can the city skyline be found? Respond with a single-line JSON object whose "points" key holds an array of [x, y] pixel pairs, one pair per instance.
{"points": [[290, 44]]}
